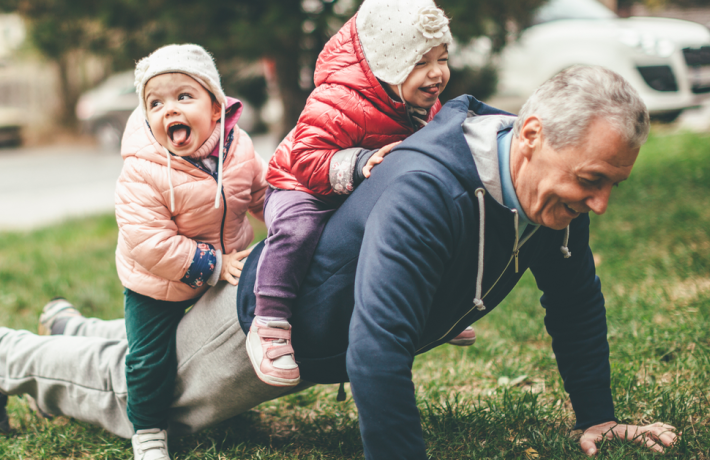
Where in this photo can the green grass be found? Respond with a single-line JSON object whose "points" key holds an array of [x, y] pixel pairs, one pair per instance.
{"points": [[653, 256]]}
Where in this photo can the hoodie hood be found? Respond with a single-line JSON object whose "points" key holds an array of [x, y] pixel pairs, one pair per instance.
{"points": [[447, 150]]}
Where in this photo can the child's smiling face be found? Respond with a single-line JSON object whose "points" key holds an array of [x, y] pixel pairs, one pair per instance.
{"points": [[181, 112], [428, 78]]}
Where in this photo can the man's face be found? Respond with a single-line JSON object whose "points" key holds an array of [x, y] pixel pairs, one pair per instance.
{"points": [[554, 187], [180, 112]]}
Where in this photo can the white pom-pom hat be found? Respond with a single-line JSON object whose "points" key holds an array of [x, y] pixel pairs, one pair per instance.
{"points": [[395, 34], [192, 60], [196, 62]]}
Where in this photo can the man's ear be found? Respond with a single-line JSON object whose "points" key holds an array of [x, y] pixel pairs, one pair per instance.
{"points": [[216, 111], [530, 136]]}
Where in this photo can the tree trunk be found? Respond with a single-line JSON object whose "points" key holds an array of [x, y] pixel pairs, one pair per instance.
{"points": [[288, 74], [69, 93]]}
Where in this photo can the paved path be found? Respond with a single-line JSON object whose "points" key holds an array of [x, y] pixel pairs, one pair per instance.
{"points": [[41, 186], [44, 185]]}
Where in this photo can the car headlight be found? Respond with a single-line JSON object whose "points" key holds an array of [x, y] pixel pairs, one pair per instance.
{"points": [[647, 43]]}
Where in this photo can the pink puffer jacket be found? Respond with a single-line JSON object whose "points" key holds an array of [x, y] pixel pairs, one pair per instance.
{"points": [[156, 247]]}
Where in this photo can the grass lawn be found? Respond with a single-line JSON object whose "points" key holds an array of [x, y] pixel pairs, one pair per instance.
{"points": [[502, 398]]}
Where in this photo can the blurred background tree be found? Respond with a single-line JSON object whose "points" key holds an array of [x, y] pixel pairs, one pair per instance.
{"points": [[285, 36], [65, 32]]}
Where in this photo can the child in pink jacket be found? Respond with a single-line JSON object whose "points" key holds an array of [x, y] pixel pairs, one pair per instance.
{"points": [[189, 177]]}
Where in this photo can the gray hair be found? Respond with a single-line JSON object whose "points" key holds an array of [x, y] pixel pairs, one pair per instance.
{"points": [[568, 102]]}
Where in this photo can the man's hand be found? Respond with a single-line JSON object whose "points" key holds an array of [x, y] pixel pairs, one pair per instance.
{"points": [[377, 158], [232, 266], [654, 436]]}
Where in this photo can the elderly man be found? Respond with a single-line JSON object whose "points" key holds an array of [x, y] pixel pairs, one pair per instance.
{"points": [[431, 242]]}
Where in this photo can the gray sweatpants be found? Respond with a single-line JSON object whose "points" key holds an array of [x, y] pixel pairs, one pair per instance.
{"points": [[81, 374]]}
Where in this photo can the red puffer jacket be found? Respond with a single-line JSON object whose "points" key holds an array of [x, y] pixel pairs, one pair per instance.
{"points": [[348, 108]]}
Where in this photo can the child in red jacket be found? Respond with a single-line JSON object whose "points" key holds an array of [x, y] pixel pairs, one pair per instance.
{"points": [[377, 81]]}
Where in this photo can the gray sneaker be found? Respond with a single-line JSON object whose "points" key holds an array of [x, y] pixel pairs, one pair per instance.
{"points": [[150, 444], [4, 419], [57, 308]]}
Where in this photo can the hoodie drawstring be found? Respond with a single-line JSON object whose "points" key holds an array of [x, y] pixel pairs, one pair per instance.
{"points": [[564, 249], [477, 301], [517, 238], [221, 160], [170, 182]]}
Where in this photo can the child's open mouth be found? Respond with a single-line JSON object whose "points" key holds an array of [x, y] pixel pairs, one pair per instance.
{"points": [[432, 90], [179, 133]]}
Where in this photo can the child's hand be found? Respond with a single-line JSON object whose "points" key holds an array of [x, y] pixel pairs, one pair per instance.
{"points": [[232, 266], [377, 158]]}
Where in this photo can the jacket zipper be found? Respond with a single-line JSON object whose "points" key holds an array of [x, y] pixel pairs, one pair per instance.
{"points": [[514, 256], [224, 198], [224, 205]]}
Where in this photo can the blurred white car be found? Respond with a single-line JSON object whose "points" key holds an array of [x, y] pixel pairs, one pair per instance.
{"points": [[104, 110], [666, 60]]}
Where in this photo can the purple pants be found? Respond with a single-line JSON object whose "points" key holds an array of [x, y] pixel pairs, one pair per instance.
{"points": [[295, 221]]}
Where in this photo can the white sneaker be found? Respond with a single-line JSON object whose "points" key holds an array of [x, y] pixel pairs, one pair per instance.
{"points": [[150, 444]]}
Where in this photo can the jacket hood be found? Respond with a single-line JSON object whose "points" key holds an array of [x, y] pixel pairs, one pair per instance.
{"points": [[134, 144], [343, 62], [446, 149]]}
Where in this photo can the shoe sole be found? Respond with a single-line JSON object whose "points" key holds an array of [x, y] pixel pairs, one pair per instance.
{"points": [[51, 312], [273, 381], [462, 343]]}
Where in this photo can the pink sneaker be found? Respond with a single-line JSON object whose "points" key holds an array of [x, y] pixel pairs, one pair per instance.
{"points": [[465, 339], [270, 351]]}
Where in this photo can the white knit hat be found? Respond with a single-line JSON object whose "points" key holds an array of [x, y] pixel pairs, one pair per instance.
{"points": [[189, 59], [395, 34], [195, 61]]}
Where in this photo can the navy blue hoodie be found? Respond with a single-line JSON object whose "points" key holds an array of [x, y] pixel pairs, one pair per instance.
{"points": [[394, 275]]}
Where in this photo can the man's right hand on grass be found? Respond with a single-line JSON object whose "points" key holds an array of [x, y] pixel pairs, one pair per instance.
{"points": [[654, 436]]}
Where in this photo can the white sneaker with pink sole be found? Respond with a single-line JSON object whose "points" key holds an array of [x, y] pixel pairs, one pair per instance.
{"points": [[270, 351]]}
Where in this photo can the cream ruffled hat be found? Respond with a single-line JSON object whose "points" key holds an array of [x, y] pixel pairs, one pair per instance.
{"points": [[395, 34]]}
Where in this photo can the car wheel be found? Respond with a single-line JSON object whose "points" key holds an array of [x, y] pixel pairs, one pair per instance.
{"points": [[10, 136], [666, 117], [108, 136]]}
